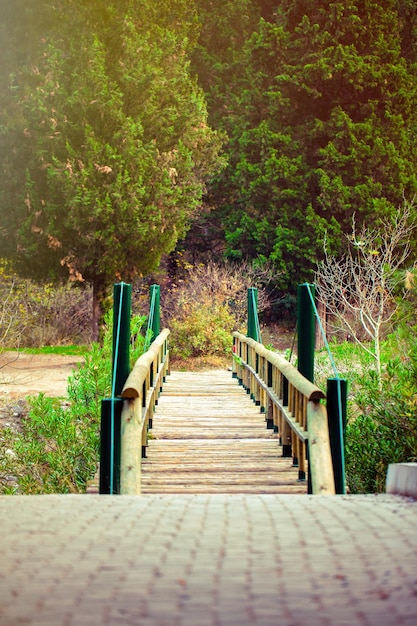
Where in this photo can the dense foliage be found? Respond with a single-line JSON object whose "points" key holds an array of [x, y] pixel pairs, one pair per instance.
{"points": [[319, 103], [205, 306], [382, 420], [36, 314], [106, 146], [385, 431], [104, 141]]}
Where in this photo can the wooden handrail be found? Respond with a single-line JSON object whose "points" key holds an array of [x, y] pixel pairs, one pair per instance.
{"points": [[292, 405], [140, 394]]}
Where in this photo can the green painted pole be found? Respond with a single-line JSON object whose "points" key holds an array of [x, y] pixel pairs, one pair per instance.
{"points": [[155, 307], [111, 412], [306, 340], [336, 415], [121, 337], [111, 408], [253, 313], [306, 330]]}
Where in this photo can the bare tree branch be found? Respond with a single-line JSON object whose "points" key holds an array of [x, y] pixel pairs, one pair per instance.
{"points": [[358, 288]]}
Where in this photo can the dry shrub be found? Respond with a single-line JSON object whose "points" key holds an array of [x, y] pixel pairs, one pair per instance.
{"points": [[35, 315], [205, 306]]}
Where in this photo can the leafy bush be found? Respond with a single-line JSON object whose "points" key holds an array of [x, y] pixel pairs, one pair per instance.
{"points": [[382, 419], [385, 431], [351, 361], [204, 328], [57, 448]]}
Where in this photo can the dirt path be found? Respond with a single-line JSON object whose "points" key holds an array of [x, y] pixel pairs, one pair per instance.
{"points": [[27, 374], [23, 375]]}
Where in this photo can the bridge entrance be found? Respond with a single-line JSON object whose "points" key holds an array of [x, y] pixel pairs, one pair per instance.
{"points": [[209, 437]]}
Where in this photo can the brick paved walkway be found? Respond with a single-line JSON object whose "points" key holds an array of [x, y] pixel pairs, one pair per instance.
{"points": [[208, 560]]}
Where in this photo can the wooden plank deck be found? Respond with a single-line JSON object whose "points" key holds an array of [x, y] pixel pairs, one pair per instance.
{"points": [[209, 437]]}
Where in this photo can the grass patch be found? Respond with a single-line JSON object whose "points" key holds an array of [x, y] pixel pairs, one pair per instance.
{"points": [[351, 363], [72, 350]]}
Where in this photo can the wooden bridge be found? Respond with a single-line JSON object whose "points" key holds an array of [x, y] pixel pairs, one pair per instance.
{"points": [[208, 436], [239, 431]]}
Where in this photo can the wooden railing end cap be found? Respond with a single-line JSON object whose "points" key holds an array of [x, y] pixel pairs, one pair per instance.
{"points": [[129, 393], [316, 395]]}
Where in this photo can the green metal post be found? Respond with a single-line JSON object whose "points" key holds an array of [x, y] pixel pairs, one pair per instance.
{"points": [[234, 356], [269, 413], [111, 408], [336, 414], [155, 305], [253, 313], [306, 330], [121, 336], [111, 412]]}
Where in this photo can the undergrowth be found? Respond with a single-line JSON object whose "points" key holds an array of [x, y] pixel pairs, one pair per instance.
{"points": [[382, 415], [383, 429], [42, 314], [203, 306], [56, 449]]}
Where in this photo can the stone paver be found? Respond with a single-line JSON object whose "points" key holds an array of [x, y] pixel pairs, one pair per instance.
{"points": [[208, 560]]}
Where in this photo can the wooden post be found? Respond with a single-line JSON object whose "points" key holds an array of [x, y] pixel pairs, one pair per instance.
{"points": [[320, 458], [286, 439], [131, 449]]}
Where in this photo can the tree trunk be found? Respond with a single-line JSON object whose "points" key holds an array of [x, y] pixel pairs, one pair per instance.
{"points": [[100, 299]]}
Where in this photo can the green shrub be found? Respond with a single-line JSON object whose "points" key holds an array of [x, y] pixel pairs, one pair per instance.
{"points": [[382, 416], [205, 306], [205, 328], [385, 431], [57, 447]]}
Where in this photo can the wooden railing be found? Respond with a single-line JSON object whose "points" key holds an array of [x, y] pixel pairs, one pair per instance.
{"points": [[140, 394], [293, 407]]}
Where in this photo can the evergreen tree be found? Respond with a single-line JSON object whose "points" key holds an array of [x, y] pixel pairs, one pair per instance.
{"points": [[104, 140], [322, 126]]}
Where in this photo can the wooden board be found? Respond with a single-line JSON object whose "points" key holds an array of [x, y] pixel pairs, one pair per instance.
{"points": [[208, 436]]}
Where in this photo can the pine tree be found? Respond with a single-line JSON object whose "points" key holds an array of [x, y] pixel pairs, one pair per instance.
{"points": [[322, 127], [105, 145]]}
